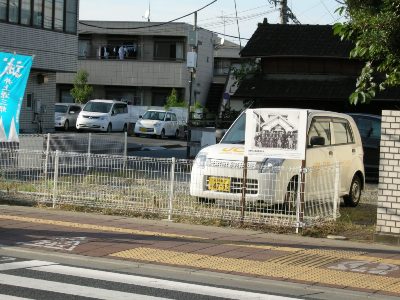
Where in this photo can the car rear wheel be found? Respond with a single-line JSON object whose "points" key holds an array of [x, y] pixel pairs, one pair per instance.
{"points": [[354, 196]]}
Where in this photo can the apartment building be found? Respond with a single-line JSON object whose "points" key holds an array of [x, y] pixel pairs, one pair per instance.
{"points": [[46, 29], [140, 62]]}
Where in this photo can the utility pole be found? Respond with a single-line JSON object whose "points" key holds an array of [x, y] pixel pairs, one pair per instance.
{"points": [[284, 12], [192, 69]]}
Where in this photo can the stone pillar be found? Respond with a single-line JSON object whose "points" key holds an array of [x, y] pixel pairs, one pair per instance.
{"points": [[388, 218]]}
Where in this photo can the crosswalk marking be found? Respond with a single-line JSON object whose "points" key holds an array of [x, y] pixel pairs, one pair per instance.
{"points": [[70, 289], [7, 297], [155, 283], [19, 281], [24, 264]]}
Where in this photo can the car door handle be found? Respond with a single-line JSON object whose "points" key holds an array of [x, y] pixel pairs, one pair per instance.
{"points": [[353, 150], [330, 153]]}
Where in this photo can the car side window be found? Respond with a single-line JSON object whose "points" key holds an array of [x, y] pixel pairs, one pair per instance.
{"points": [[321, 128], [168, 117], [369, 128], [342, 132], [173, 116], [75, 109]]}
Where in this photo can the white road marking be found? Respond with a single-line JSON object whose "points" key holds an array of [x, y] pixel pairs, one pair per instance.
{"points": [[156, 283], [67, 244], [70, 289], [24, 264], [7, 297]]}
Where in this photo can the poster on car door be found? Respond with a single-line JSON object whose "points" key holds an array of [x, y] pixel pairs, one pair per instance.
{"points": [[276, 133], [14, 74]]}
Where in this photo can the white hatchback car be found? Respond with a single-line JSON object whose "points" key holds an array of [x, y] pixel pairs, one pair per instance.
{"points": [[331, 138], [159, 123], [104, 115]]}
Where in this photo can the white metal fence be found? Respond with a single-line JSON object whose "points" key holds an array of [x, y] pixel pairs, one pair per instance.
{"points": [[96, 143], [163, 186]]}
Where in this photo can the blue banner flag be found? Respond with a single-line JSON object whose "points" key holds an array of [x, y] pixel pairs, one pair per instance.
{"points": [[14, 74]]}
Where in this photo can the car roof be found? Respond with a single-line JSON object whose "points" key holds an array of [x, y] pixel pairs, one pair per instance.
{"points": [[365, 115], [160, 110], [106, 101], [68, 104]]}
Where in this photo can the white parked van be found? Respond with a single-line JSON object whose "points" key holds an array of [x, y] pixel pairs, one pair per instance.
{"points": [[65, 115], [103, 115], [331, 138]]}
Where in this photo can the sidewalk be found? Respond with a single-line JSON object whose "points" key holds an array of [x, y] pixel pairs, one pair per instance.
{"points": [[372, 268]]}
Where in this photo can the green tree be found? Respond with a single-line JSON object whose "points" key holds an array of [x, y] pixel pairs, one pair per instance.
{"points": [[81, 90], [245, 70], [374, 27], [174, 101]]}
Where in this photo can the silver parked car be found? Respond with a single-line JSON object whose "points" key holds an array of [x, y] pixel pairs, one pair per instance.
{"points": [[65, 115]]}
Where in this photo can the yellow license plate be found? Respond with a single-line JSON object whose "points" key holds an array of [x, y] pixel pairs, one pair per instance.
{"points": [[219, 184], [142, 129]]}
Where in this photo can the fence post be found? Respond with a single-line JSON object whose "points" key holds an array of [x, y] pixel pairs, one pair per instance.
{"points": [[171, 189], [56, 165], [300, 198], [89, 150], [244, 186], [336, 191], [125, 148], [46, 161]]}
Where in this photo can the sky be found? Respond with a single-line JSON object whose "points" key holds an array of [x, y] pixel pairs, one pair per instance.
{"points": [[218, 17]]}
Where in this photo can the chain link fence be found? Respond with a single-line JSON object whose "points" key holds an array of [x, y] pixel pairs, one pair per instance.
{"points": [[285, 197]]}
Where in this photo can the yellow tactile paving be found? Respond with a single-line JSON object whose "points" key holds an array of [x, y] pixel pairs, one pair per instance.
{"points": [[95, 227], [313, 274]]}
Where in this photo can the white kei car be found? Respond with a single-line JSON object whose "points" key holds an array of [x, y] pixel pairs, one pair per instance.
{"points": [[159, 123], [332, 139]]}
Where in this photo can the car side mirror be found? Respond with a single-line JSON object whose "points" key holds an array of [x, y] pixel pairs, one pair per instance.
{"points": [[140, 117], [317, 141], [219, 133]]}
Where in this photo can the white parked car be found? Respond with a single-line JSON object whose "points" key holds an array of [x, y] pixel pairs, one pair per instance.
{"points": [[158, 123], [217, 172], [65, 115], [104, 115]]}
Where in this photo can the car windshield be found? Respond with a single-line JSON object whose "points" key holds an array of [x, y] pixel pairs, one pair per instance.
{"points": [[236, 133], [154, 115], [61, 109], [100, 107]]}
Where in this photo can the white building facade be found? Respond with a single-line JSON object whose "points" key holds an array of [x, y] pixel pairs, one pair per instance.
{"points": [[141, 62]]}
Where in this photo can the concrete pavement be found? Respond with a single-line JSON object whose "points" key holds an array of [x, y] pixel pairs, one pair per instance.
{"points": [[350, 266]]}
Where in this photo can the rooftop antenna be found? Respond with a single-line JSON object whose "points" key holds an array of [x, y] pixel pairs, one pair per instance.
{"points": [[224, 21], [147, 13]]}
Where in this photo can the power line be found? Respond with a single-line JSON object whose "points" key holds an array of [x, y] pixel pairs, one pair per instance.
{"points": [[149, 26]]}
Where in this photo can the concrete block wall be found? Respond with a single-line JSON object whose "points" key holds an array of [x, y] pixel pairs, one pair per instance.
{"points": [[388, 214]]}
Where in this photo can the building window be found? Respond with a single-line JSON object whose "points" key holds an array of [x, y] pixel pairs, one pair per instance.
{"points": [[26, 12], [37, 13], [59, 15], [13, 11], [168, 50], [48, 14], [3, 10], [71, 11], [29, 101]]}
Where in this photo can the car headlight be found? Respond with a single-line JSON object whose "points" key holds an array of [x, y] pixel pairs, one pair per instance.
{"points": [[201, 159], [102, 118], [158, 124], [271, 165]]}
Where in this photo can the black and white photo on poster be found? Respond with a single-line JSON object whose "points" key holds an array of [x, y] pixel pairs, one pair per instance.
{"points": [[276, 132]]}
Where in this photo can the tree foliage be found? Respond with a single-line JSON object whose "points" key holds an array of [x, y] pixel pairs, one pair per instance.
{"points": [[81, 90], [245, 70], [174, 101], [374, 27]]}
